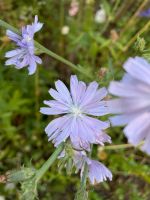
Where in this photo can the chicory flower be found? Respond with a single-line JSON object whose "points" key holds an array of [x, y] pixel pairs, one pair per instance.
{"points": [[132, 107], [24, 54], [78, 108]]}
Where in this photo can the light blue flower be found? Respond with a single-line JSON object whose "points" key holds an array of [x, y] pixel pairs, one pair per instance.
{"points": [[145, 13], [133, 104], [77, 107], [24, 55], [97, 172]]}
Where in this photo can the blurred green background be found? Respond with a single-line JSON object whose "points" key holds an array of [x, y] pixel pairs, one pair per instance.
{"points": [[100, 48]]}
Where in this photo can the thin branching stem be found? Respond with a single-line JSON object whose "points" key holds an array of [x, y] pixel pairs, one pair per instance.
{"points": [[47, 51], [121, 146], [134, 18], [85, 172]]}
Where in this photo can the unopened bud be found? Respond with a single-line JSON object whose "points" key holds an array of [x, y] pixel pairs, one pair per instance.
{"points": [[114, 35], [140, 44], [16, 176], [102, 72]]}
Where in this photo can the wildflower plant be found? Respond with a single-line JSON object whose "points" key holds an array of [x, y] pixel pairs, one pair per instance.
{"points": [[78, 110], [79, 107], [24, 55]]}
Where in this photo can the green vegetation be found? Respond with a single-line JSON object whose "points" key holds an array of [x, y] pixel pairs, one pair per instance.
{"points": [[97, 49]]}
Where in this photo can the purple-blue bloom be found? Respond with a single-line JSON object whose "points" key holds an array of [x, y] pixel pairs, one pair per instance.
{"points": [[145, 13], [97, 172], [24, 55], [77, 107], [133, 104]]}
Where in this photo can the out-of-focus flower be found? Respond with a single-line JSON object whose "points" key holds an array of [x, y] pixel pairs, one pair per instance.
{"points": [[114, 35], [100, 16], [145, 13], [76, 106], [65, 30], [133, 104], [24, 55], [2, 197], [74, 8], [97, 172]]}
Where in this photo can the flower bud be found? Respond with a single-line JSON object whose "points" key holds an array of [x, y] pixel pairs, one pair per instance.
{"points": [[23, 174], [140, 44], [28, 190]]}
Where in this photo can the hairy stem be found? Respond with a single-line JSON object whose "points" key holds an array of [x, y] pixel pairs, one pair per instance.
{"points": [[49, 162], [84, 177], [85, 172]]}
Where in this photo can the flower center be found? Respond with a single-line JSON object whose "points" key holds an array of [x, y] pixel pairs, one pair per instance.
{"points": [[28, 38], [76, 111]]}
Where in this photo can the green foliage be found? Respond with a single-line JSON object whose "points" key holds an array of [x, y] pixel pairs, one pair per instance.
{"points": [[28, 190], [99, 50], [81, 194]]}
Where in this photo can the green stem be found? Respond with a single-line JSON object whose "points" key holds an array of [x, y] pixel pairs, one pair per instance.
{"points": [[61, 59], [85, 172], [81, 193], [47, 51], [120, 146], [132, 21], [141, 31], [49, 162], [84, 177], [9, 27], [37, 92]]}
